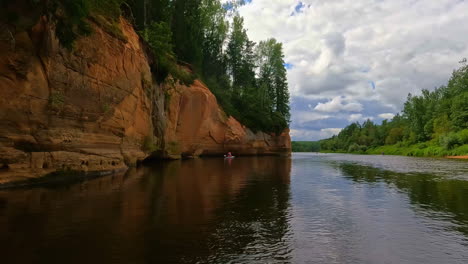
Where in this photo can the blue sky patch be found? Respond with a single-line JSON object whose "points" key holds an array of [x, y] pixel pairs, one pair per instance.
{"points": [[299, 8], [288, 66]]}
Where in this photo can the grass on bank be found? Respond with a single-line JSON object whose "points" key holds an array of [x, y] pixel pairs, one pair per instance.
{"points": [[416, 150], [419, 150], [450, 144]]}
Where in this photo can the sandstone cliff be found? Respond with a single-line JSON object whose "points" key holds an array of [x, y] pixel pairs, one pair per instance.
{"points": [[196, 125], [98, 108]]}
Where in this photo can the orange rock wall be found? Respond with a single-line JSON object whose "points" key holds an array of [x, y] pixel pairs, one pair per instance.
{"points": [[92, 108], [196, 125], [83, 110]]}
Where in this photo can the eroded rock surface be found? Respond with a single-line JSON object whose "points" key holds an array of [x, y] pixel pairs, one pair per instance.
{"points": [[98, 108], [196, 125], [85, 109]]}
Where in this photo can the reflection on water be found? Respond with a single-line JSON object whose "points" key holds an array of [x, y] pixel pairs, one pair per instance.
{"points": [[428, 192], [307, 209], [183, 211]]}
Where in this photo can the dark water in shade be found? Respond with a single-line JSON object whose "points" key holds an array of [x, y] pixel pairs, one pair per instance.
{"points": [[307, 209]]}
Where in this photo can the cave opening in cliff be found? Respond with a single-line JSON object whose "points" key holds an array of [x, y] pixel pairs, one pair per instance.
{"points": [[4, 167]]}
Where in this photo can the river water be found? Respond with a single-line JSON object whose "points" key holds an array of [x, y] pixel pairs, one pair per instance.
{"points": [[310, 208]]}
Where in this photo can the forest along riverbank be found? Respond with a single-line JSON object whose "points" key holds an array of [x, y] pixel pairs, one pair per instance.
{"points": [[434, 123], [319, 208]]}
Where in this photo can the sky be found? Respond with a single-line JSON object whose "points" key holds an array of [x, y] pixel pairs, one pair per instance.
{"points": [[352, 60]]}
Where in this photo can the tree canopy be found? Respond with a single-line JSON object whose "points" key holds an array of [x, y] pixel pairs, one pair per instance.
{"points": [[248, 79]]}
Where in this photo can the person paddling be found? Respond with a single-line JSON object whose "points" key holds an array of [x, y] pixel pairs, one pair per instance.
{"points": [[229, 155]]}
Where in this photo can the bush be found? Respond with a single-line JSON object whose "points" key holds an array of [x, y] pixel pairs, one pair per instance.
{"points": [[112, 27], [353, 147], [356, 148], [70, 17], [434, 151], [71, 23], [463, 136], [56, 99], [149, 145], [449, 141], [159, 38]]}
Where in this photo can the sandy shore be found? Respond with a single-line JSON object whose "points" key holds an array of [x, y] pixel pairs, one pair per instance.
{"points": [[457, 157]]}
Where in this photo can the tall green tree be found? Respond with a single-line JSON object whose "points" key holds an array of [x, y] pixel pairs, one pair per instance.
{"points": [[240, 57], [187, 31], [215, 30], [272, 76]]}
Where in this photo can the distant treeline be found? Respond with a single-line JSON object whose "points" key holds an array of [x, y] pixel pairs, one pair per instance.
{"points": [[305, 146], [432, 124], [207, 36]]}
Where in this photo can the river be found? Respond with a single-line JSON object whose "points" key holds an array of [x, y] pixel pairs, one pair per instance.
{"points": [[310, 208]]}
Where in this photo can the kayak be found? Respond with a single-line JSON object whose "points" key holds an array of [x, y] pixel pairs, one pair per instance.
{"points": [[226, 157]]}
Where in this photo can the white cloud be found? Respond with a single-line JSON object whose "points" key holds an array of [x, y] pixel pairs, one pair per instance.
{"points": [[311, 135], [387, 115], [360, 57], [355, 117], [303, 117], [359, 118], [338, 104], [331, 131], [339, 47]]}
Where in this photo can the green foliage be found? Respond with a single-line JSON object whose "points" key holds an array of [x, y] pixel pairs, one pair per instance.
{"points": [[56, 100], [159, 37], [305, 146], [146, 84], [449, 141], [173, 147], [434, 123], [189, 39], [106, 107], [107, 8], [198, 33], [223, 57], [463, 136], [110, 26], [356, 148], [149, 145], [70, 16], [430, 150]]}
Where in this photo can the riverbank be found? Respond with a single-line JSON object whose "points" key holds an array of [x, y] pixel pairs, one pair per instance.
{"points": [[417, 150], [457, 157]]}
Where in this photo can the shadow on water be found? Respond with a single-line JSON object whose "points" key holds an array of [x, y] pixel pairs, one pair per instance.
{"points": [[425, 191], [204, 210]]}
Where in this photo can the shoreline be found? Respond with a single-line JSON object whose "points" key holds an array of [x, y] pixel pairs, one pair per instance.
{"points": [[461, 157], [58, 177], [52, 177]]}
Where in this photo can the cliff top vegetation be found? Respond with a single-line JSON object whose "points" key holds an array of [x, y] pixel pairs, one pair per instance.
{"points": [[248, 79]]}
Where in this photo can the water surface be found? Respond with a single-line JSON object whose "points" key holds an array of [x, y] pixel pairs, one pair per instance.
{"points": [[311, 208]]}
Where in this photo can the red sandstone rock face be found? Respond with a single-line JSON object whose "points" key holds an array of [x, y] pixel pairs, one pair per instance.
{"points": [[83, 110], [92, 108], [196, 125]]}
